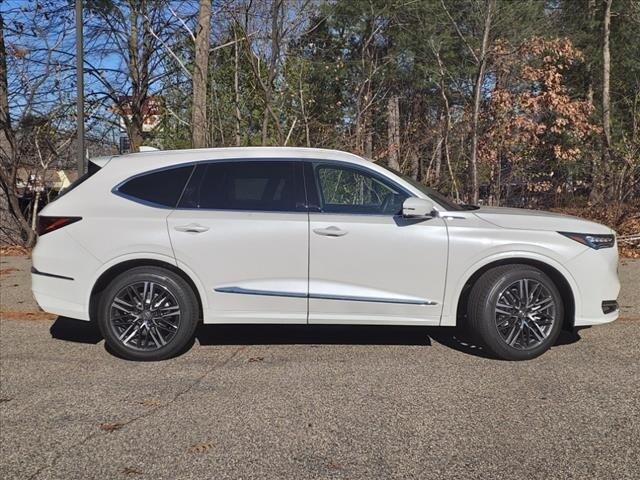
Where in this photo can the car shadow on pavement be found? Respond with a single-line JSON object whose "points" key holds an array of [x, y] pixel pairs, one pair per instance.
{"points": [[457, 339], [72, 330], [337, 335], [311, 334], [454, 338]]}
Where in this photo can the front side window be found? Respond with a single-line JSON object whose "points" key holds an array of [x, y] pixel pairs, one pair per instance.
{"points": [[161, 188], [245, 185], [348, 190]]}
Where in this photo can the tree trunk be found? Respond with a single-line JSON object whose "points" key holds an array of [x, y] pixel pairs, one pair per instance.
{"points": [[477, 97], [393, 130], [598, 187], [200, 76], [276, 37], [236, 85], [139, 53], [591, 12], [606, 73]]}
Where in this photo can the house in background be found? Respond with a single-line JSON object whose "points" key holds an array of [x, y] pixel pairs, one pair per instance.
{"points": [[152, 111]]}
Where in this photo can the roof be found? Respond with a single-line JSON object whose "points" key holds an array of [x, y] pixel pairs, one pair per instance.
{"points": [[141, 161], [124, 166], [242, 152]]}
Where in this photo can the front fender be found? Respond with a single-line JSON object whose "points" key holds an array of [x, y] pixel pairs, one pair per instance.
{"points": [[513, 254]]}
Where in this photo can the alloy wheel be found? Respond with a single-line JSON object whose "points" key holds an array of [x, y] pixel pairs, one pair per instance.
{"points": [[525, 314], [144, 316]]}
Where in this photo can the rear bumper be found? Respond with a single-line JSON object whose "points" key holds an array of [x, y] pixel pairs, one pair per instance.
{"points": [[58, 296], [61, 275]]}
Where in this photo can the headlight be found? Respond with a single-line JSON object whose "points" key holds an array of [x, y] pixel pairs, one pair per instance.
{"points": [[590, 240]]}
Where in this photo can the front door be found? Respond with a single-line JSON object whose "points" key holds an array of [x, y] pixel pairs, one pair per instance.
{"points": [[369, 265], [242, 227]]}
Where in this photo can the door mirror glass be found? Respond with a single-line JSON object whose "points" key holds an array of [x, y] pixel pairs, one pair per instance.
{"points": [[414, 207]]}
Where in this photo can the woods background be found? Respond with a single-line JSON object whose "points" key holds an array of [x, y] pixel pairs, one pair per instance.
{"points": [[529, 103]]}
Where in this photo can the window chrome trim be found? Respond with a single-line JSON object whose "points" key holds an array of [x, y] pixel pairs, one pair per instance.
{"points": [[317, 161], [321, 296]]}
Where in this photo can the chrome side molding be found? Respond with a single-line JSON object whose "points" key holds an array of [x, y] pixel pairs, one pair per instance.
{"points": [[321, 296]]}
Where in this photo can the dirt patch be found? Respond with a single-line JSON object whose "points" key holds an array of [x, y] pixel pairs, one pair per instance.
{"points": [[7, 271], [18, 315]]}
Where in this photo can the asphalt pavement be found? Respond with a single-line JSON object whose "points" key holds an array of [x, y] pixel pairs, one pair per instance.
{"points": [[314, 402]]}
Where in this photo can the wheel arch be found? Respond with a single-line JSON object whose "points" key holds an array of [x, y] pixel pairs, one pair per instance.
{"points": [[114, 270], [558, 278]]}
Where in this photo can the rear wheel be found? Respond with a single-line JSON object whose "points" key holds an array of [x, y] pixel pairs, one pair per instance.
{"points": [[148, 313], [516, 310]]}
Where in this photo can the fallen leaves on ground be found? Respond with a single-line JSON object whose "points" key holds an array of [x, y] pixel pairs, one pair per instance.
{"points": [[132, 471], [150, 403], [14, 251], [20, 315], [256, 359], [200, 447], [110, 427]]}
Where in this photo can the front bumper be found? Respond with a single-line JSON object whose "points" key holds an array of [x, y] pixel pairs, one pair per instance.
{"points": [[596, 275]]}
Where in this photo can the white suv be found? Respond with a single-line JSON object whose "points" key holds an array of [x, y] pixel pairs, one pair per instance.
{"points": [[148, 244]]}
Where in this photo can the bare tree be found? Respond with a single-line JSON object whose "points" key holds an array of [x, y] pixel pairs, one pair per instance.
{"points": [[481, 63], [133, 34], [42, 125], [9, 165], [200, 76]]}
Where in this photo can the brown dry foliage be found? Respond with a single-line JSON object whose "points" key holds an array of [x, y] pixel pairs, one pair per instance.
{"points": [[532, 115]]}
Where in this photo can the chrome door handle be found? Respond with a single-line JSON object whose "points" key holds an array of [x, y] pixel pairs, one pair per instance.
{"points": [[191, 228], [330, 231]]}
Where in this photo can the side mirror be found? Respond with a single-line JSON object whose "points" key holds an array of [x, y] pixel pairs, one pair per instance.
{"points": [[414, 207]]}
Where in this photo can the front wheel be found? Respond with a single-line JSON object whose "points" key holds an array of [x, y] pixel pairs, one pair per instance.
{"points": [[516, 310], [148, 313]]}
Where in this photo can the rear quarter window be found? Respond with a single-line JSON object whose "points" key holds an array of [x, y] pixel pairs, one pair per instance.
{"points": [[92, 169], [160, 188]]}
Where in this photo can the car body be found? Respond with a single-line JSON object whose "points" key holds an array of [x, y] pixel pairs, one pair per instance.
{"points": [[304, 236]]}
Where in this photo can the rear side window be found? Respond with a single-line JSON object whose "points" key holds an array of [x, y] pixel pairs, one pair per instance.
{"points": [[246, 185], [161, 188]]}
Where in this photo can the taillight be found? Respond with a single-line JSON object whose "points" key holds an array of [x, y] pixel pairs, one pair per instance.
{"points": [[49, 224]]}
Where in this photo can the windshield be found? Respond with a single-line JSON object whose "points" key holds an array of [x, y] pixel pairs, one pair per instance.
{"points": [[443, 200]]}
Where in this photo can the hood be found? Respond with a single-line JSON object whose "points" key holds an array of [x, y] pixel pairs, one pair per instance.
{"points": [[522, 219]]}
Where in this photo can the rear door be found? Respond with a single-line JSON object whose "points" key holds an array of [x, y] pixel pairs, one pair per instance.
{"points": [[242, 227]]}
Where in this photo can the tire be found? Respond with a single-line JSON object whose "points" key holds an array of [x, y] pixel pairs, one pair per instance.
{"points": [[157, 328], [509, 331]]}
